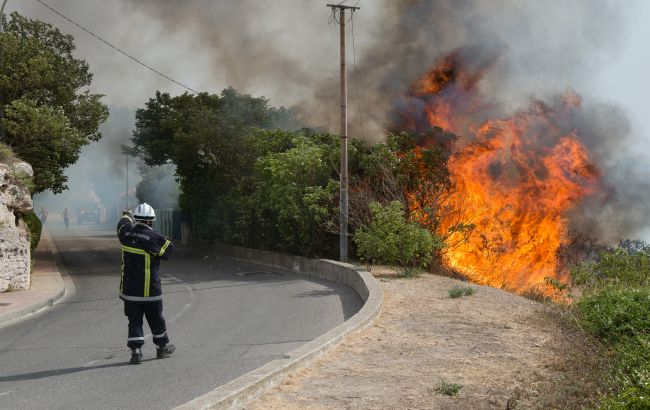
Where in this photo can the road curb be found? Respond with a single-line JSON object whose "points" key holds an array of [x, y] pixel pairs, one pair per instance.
{"points": [[253, 384], [10, 318]]}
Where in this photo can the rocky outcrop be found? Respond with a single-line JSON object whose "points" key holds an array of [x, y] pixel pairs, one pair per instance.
{"points": [[15, 199]]}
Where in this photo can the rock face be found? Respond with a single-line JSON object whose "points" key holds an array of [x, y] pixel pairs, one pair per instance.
{"points": [[14, 234]]}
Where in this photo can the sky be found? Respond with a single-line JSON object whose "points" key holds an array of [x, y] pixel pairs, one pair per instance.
{"points": [[287, 50], [624, 79], [179, 49]]}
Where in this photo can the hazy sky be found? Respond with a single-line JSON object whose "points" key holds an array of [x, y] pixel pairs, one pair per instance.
{"points": [[287, 51], [624, 80], [300, 28]]}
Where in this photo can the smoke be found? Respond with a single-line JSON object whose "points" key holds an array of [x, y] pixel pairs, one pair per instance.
{"points": [[287, 51], [623, 210], [99, 177]]}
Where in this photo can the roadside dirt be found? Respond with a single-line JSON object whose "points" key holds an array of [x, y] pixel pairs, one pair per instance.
{"points": [[506, 351]]}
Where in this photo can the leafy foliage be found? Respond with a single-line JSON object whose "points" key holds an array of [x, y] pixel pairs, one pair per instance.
{"points": [[203, 136], [294, 195], [35, 228], [248, 182], [615, 306], [624, 267], [390, 238], [49, 113], [614, 313]]}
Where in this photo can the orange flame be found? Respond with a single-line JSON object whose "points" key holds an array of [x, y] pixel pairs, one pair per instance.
{"points": [[515, 180]]}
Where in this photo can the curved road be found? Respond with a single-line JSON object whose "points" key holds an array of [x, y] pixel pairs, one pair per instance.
{"points": [[225, 317]]}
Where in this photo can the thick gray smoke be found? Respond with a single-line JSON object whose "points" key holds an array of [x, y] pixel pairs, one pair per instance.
{"points": [[540, 49], [287, 51], [98, 179]]}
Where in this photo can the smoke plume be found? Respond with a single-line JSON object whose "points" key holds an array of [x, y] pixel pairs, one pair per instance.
{"points": [[287, 51], [534, 50]]}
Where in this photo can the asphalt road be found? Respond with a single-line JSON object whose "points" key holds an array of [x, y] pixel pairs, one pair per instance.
{"points": [[225, 318]]}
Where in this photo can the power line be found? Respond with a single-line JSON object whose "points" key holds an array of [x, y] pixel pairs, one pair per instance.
{"points": [[117, 49]]}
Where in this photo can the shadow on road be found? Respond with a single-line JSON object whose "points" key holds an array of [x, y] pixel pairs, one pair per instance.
{"points": [[57, 372]]}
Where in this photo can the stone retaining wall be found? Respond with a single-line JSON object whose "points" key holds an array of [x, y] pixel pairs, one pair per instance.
{"points": [[15, 199]]}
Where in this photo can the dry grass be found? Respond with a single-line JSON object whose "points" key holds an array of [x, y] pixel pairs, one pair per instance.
{"points": [[506, 352]]}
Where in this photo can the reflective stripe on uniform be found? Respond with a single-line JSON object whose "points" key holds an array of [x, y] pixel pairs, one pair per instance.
{"points": [[147, 274], [147, 267], [140, 298], [159, 336], [164, 247], [122, 275], [134, 250], [134, 338]]}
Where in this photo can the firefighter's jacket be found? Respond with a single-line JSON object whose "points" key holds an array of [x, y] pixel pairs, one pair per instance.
{"points": [[142, 250]]}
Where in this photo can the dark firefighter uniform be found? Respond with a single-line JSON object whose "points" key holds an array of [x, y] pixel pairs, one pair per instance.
{"points": [[140, 288]]}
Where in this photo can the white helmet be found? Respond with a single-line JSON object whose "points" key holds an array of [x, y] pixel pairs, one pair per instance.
{"points": [[144, 212]]}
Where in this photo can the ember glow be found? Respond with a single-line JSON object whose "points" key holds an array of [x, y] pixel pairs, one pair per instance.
{"points": [[513, 178]]}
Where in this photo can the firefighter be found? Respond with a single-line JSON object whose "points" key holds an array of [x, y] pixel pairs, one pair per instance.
{"points": [[140, 288]]}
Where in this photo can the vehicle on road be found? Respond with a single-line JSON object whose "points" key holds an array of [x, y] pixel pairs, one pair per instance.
{"points": [[92, 215]]}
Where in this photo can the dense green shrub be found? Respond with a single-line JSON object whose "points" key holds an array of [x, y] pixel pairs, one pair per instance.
{"points": [[615, 306], [35, 227], [614, 267], [294, 195], [390, 238], [615, 313], [631, 375]]}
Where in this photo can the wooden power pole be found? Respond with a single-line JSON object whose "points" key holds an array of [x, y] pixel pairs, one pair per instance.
{"points": [[343, 202]]}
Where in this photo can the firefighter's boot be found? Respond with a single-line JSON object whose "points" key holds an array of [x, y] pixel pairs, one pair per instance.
{"points": [[164, 351], [136, 356]]}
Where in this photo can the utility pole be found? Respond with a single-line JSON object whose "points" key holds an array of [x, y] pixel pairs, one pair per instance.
{"points": [[343, 202]]}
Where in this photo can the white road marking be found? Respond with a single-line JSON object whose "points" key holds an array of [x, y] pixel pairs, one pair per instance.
{"points": [[184, 309], [4, 393], [173, 319], [180, 312]]}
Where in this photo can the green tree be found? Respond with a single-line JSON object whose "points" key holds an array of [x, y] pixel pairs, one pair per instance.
{"points": [[49, 112], [390, 238], [203, 136], [295, 194]]}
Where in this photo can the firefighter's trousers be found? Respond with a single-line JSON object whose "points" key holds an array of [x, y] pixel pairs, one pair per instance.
{"points": [[153, 312]]}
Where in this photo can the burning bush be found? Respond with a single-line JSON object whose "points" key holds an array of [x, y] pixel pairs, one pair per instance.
{"points": [[513, 178]]}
